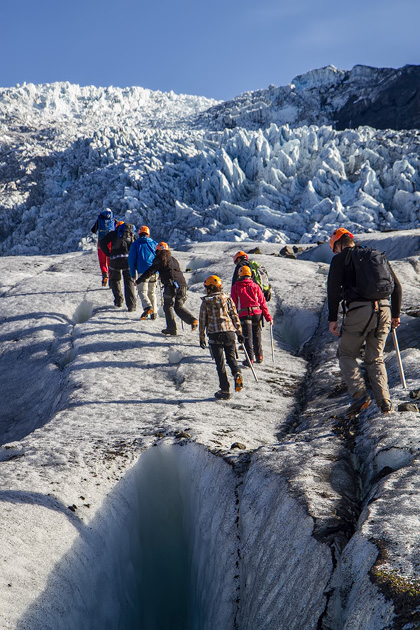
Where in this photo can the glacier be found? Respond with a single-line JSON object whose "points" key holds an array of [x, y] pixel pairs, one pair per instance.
{"points": [[161, 159], [130, 497]]}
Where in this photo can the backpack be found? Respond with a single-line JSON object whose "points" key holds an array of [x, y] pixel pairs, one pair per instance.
{"points": [[373, 278], [125, 236], [106, 223], [260, 276]]}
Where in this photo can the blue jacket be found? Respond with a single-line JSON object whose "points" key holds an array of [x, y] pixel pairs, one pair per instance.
{"points": [[141, 255]]}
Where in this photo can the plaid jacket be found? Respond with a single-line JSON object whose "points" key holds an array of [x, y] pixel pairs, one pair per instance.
{"points": [[218, 314]]}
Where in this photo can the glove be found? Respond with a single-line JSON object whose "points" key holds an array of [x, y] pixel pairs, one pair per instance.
{"points": [[203, 345], [139, 280], [241, 339]]}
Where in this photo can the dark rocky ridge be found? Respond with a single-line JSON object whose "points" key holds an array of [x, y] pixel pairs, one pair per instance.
{"points": [[382, 98], [394, 104]]}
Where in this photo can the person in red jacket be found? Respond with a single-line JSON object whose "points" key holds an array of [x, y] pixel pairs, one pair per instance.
{"points": [[252, 307]]}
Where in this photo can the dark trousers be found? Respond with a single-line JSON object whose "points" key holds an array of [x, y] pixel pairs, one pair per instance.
{"points": [[129, 287], [173, 302], [221, 345], [251, 330]]}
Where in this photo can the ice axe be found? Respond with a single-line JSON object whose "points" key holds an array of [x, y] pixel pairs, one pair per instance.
{"points": [[397, 352], [272, 343], [249, 362]]}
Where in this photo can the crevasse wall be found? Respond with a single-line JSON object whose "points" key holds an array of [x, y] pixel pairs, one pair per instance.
{"points": [[183, 543], [284, 570], [161, 553]]}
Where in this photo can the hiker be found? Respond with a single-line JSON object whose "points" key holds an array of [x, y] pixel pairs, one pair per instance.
{"points": [[174, 288], [259, 273], [120, 240], [140, 258], [104, 224], [367, 320], [219, 317], [252, 307]]}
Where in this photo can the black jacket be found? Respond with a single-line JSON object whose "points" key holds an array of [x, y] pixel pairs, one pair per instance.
{"points": [[241, 263], [120, 246], [168, 275], [340, 281]]}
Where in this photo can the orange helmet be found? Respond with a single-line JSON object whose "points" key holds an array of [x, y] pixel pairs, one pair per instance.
{"points": [[162, 245], [213, 282], [337, 234], [245, 272], [144, 230], [118, 223], [239, 255]]}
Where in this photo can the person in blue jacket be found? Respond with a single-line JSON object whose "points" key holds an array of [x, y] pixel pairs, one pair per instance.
{"points": [[140, 258]]}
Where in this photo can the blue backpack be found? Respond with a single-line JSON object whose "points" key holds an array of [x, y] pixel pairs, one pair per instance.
{"points": [[106, 223]]}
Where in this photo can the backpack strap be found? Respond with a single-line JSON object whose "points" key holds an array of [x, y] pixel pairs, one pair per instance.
{"points": [[348, 256]]}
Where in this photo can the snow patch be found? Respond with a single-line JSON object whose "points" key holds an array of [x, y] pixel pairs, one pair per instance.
{"points": [[393, 459], [83, 312], [175, 356], [294, 327]]}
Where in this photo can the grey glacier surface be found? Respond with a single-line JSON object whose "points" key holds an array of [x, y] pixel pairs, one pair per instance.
{"points": [[131, 496]]}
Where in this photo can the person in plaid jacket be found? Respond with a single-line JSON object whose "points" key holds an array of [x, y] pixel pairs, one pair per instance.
{"points": [[219, 317]]}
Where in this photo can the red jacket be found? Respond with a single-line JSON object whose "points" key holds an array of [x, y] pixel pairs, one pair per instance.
{"points": [[249, 299]]}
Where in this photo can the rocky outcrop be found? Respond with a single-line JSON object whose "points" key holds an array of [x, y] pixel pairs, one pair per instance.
{"points": [[383, 98], [393, 103]]}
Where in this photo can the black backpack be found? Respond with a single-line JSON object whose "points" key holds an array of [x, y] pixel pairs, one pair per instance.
{"points": [[125, 237], [372, 275]]}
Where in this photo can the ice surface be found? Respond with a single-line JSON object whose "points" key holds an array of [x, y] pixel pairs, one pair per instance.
{"points": [[263, 523]]}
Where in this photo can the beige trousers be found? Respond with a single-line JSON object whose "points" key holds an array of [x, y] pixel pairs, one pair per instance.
{"points": [[376, 326], [147, 293]]}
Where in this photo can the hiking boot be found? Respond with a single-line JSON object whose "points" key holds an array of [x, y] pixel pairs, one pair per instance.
{"points": [[238, 382], [194, 325], [222, 395], [259, 358], [359, 404], [147, 311], [385, 406], [104, 280], [246, 364], [153, 315], [132, 309], [165, 331], [118, 304]]}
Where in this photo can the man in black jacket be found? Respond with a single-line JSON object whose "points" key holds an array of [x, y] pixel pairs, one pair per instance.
{"points": [[174, 288], [365, 321], [120, 240]]}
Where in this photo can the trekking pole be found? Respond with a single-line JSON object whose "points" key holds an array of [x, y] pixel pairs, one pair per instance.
{"points": [[397, 351], [272, 343], [249, 363]]}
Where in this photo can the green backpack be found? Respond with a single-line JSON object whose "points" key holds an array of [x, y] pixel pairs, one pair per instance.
{"points": [[260, 276]]}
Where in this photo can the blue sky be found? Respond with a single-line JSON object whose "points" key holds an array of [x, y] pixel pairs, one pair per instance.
{"points": [[214, 48]]}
